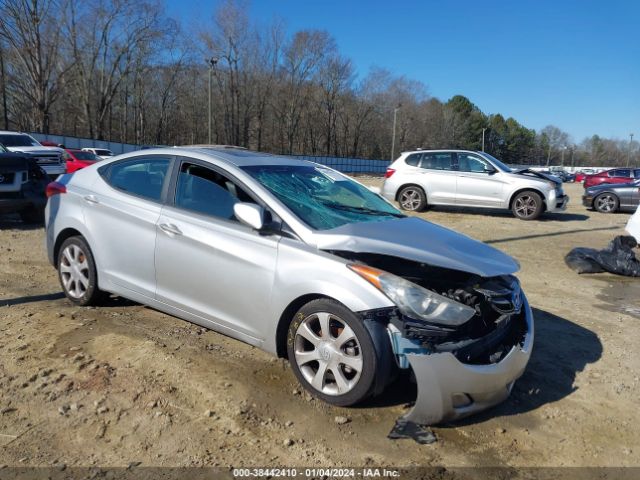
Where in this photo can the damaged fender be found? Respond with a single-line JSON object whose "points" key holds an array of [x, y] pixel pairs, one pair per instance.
{"points": [[449, 389]]}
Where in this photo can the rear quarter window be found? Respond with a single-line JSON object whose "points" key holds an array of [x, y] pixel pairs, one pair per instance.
{"points": [[140, 177], [413, 160]]}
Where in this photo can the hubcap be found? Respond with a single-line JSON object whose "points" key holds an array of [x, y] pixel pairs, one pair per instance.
{"points": [[606, 203], [74, 271], [328, 353], [410, 199], [526, 206]]}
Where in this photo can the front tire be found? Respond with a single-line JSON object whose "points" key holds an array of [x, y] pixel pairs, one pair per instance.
{"points": [[332, 353], [77, 272], [606, 203], [412, 199], [32, 215], [527, 205]]}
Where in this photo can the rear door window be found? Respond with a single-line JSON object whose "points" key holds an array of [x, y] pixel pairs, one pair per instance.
{"points": [[143, 177], [437, 161]]}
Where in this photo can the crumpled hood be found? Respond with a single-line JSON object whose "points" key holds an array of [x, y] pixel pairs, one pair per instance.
{"points": [[535, 175], [416, 239]]}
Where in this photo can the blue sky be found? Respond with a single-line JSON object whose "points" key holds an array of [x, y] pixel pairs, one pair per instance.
{"points": [[574, 64]]}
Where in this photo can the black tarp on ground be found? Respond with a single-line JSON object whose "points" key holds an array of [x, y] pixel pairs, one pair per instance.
{"points": [[618, 258]]}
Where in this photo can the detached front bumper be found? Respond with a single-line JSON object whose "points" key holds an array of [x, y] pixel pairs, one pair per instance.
{"points": [[449, 389]]}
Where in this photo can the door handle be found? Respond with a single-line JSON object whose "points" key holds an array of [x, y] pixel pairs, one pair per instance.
{"points": [[91, 199], [170, 228]]}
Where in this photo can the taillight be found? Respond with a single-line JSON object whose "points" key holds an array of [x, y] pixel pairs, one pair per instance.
{"points": [[55, 188], [390, 171]]}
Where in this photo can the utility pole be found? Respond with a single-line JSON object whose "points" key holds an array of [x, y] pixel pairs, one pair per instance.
{"points": [[573, 149], [393, 137], [212, 64], [629, 152], [483, 138]]}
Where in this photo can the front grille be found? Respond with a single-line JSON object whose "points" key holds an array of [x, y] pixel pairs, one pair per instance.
{"points": [[49, 159], [495, 346], [7, 178]]}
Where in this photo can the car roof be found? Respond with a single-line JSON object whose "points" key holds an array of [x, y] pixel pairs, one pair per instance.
{"points": [[237, 156], [12, 132], [457, 150]]}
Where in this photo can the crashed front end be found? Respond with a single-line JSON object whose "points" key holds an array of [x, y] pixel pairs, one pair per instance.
{"points": [[472, 362]]}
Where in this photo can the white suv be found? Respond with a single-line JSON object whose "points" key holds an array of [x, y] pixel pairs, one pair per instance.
{"points": [[103, 153], [470, 179]]}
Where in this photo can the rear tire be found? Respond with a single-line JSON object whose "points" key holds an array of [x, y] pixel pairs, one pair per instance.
{"points": [[331, 353], [606, 203], [527, 205], [77, 272], [412, 199]]}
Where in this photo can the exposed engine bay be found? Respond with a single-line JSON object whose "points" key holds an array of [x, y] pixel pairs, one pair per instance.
{"points": [[486, 338]]}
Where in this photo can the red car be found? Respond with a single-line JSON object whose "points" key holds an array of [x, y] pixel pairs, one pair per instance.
{"points": [[615, 175], [582, 174], [77, 159]]}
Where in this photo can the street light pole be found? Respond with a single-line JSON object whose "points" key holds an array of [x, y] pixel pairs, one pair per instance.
{"points": [[393, 137], [212, 63], [629, 152], [483, 138], [562, 160]]}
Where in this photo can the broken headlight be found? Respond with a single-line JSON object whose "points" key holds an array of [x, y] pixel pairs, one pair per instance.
{"points": [[414, 301]]}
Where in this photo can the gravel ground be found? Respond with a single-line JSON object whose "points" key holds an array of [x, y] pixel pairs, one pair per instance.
{"points": [[125, 385]]}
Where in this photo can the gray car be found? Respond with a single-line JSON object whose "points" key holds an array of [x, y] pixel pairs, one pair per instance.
{"points": [[609, 198], [303, 262]]}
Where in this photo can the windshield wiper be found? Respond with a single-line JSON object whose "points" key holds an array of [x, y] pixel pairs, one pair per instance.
{"points": [[365, 210]]}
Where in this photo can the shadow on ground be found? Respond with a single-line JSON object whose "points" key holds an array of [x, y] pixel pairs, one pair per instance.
{"points": [[31, 299], [494, 212], [549, 234], [110, 302], [561, 350], [13, 222]]}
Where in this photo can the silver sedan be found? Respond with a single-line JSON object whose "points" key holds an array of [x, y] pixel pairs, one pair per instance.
{"points": [[301, 261]]}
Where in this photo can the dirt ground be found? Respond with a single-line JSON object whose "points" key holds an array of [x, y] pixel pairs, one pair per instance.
{"points": [[124, 384]]}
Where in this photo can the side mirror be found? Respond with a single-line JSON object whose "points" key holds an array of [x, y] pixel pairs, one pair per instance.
{"points": [[250, 214], [490, 171]]}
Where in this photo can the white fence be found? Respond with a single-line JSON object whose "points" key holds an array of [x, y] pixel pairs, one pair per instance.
{"points": [[76, 142], [348, 165]]}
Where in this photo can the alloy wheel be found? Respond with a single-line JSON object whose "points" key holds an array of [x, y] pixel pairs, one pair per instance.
{"points": [[410, 199], [74, 271], [525, 205], [606, 203], [328, 354]]}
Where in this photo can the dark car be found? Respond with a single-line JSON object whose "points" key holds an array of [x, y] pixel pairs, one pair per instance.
{"points": [[565, 176], [608, 198], [615, 175], [22, 186]]}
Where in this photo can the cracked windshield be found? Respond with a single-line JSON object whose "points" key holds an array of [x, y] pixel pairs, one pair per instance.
{"points": [[323, 198]]}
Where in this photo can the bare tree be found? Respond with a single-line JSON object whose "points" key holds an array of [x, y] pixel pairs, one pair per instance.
{"points": [[36, 65], [107, 37], [301, 58]]}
